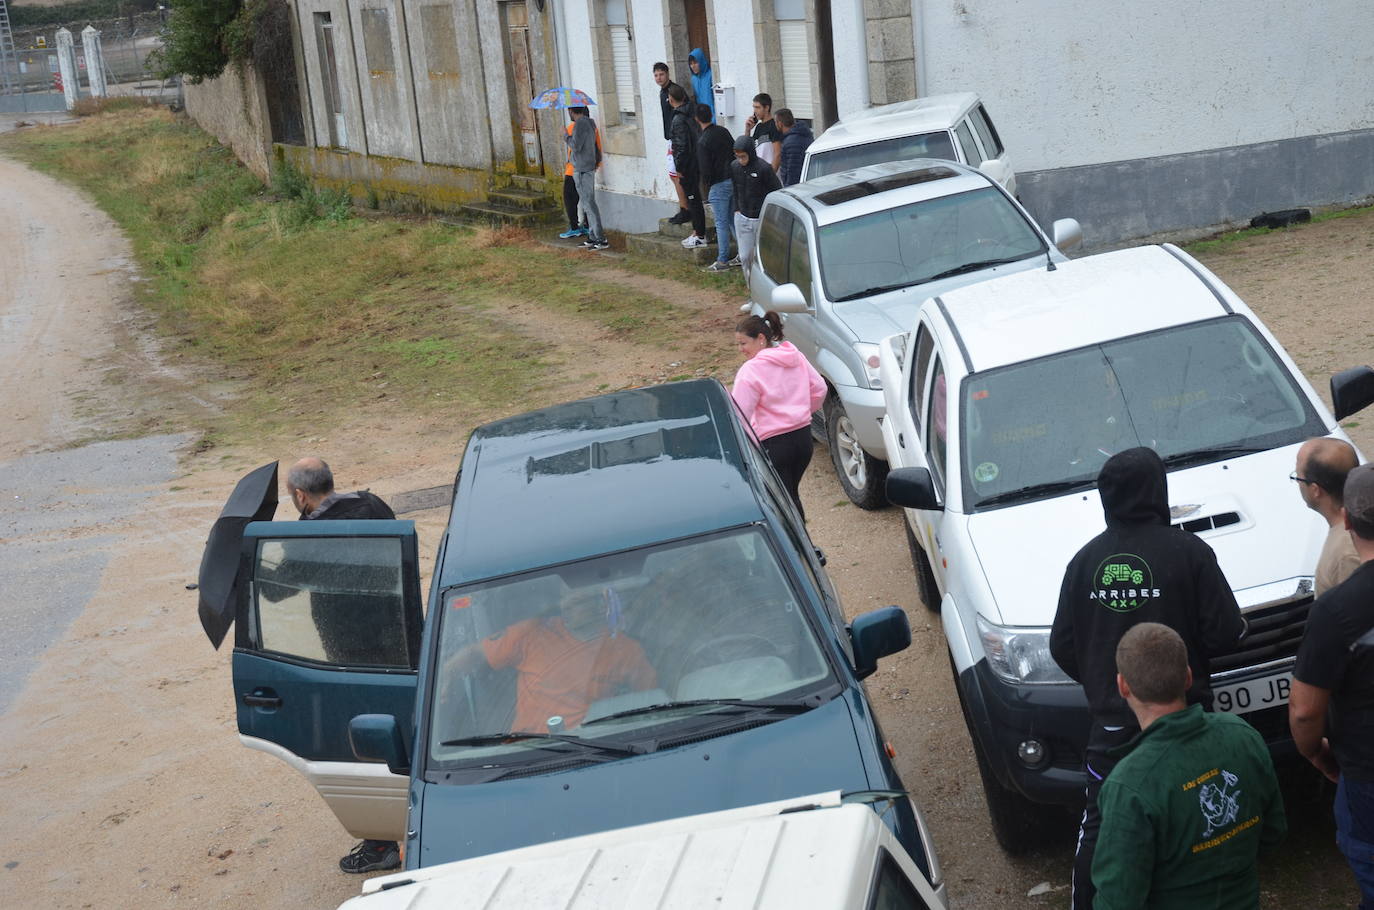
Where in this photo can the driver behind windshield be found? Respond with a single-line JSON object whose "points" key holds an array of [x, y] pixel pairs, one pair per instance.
{"points": [[565, 662]]}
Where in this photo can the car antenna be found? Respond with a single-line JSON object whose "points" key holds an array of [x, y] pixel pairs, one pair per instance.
{"points": [[1049, 261]]}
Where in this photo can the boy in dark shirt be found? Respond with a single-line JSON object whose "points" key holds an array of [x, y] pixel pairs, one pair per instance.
{"points": [[764, 130]]}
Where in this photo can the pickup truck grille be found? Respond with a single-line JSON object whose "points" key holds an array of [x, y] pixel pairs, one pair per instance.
{"points": [[1275, 633]]}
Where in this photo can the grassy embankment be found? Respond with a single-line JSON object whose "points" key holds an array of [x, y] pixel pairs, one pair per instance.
{"points": [[315, 309]]}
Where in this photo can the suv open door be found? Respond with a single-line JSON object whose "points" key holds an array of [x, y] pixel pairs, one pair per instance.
{"points": [[328, 624]]}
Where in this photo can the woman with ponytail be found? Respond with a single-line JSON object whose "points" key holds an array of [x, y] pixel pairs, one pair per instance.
{"points": [[777, 390]]}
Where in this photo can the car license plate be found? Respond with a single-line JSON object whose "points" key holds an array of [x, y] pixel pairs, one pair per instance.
{"points": [[1253, 694]]}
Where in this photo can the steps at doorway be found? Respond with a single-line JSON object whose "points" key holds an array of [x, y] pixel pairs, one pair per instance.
{"points": [[659, 246]]}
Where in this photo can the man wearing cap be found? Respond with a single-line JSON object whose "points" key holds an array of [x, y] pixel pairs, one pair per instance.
{"points": [[1320, 473], [1331, 706]]}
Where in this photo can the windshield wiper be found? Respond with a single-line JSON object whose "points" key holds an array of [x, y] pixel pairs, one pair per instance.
{"points": [[881, 289], [740, 704], [1035, 490], [493, 739], [975, 266], [1207, 454]]}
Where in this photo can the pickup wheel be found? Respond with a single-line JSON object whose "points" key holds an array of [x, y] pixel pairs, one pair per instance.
{"points": [[861, 475], [925, 577], [1018, 824]]}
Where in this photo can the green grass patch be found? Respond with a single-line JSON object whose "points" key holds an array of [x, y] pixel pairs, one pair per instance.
{"points": [[1223, 241], [315, 310]]}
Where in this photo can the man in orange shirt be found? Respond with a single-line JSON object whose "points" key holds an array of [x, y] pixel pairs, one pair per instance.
{"points": [[564, 663]]}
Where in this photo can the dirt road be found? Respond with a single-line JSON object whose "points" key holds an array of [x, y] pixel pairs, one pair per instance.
{"points": [[121, 777]]}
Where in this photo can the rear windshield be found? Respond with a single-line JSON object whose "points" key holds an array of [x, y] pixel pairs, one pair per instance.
{"points": [[922, 145]]}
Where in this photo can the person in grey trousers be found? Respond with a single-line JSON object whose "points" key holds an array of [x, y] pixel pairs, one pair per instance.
{"points": [[586, 155]]}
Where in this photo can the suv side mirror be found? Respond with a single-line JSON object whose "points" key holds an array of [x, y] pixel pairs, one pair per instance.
{"points": [[1352, 391], [1067, 234], [877, 634], [376, 737], [788, 298], [912, 488]]}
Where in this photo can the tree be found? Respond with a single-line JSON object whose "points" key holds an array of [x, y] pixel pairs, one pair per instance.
{"points": [[203, 36]]}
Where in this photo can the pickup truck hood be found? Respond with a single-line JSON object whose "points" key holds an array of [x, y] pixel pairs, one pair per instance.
{"points": [[808, 753], [872, 319], [1272, 542]]}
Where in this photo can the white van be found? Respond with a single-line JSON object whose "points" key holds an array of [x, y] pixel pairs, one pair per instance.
{"points": [[954, 127], [829, 850]]}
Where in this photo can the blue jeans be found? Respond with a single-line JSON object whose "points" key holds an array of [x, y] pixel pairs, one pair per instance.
{"points": [[1355, 833], [722, 199]]}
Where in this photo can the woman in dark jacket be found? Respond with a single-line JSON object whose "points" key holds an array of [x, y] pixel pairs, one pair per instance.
{"points": [[753, 179]]}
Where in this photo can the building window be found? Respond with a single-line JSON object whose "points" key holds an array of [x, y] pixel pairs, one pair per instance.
{"points": [[441, 40], [377, 41], [622, 57], [797, 95]]}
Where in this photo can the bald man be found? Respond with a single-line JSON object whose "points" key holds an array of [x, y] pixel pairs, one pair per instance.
{"points": [[341, 618], [1322, 465]]}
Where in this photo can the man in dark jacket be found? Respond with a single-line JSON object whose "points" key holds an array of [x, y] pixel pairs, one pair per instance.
{"points": [[310, 484], [1140, 569], [715, 154], [752, 179], [796, 139], [683, 135], [1192, 799], [664, 85]]}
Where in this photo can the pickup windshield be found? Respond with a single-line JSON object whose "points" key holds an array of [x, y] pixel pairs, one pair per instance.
{"points": [[921, 145], [912, 244], [1195, 393], [551, 663]]}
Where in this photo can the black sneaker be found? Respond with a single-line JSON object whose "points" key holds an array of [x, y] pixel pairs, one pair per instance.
{"points": [[372, 856], [602, 244], [682, 217]]}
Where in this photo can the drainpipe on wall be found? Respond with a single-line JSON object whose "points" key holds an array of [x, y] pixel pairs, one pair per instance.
{"points": [[560, 40], [918, 16]]}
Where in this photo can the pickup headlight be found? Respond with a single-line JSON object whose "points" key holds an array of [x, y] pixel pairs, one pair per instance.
{"points": [[1020, 654], [868, 355]]}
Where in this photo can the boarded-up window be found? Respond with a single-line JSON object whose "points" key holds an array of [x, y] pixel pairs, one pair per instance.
{"points": [[622, 55], [377, 41], [796, 69], [441, 40]]}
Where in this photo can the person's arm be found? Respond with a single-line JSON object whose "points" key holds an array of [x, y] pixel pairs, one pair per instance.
{"points": [[771, 180], [1307, 706], [1219, 619], [1062, 647], [1124, 859], [746, 393]]}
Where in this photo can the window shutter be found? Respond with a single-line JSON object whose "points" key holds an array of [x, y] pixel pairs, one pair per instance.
{"points": [[622, 61], [796, 69]]}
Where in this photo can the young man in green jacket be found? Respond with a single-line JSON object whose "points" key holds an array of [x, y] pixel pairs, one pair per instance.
{"points": [[1192, 798]]}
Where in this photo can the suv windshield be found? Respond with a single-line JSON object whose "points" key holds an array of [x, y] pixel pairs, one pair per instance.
{"points": [[916, 243], [1193, 393], [921, 145], [587, 656]]}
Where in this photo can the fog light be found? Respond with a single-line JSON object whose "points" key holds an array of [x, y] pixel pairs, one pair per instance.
{"points": [[1032, 753]]}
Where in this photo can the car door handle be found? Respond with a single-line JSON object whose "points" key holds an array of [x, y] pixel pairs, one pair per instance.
{"points": [[901, 440], [258, 700]]}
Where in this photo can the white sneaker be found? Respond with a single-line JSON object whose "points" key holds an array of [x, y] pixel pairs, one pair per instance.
{"points": [[693, 242]]}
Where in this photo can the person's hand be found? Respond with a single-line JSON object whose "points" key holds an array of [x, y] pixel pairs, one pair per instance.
{"points": [[1325, 762], [750, 124]]}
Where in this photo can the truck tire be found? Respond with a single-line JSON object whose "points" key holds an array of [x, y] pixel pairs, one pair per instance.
{"points": [[926, 587], [861, 475], [1018, 824]]}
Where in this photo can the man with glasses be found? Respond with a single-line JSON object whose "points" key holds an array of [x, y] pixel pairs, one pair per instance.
{"points": [[1323, 464]]}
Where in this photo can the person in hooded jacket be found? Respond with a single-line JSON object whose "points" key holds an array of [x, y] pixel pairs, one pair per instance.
{"points": [[777, 391], [684, 131], [715, 154], [753, 179], [1140, 569], [702, 88], [796, 139]]}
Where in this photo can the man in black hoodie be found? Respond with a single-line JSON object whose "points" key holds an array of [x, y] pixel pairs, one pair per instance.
{"points": [[684, 132], [1138, 570], [752, 180], [715, 154]]}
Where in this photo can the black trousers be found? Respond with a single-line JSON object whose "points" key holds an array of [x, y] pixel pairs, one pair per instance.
{"points": [[570, 200], [1098, 764], [790, 453], [691, 187]]}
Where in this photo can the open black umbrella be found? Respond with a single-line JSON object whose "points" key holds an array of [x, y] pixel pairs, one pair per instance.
{"points": [[253, 499]]}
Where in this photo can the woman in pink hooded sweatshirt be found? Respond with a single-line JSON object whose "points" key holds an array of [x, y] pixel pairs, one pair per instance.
{"points": [[777, 390]]}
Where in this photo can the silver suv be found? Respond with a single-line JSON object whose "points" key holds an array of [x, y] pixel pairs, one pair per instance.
{"points": [[848, 258]]}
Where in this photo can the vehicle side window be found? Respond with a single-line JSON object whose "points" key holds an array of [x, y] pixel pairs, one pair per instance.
{"points": [[892, 890], [937, 420], [971, 153], [924, 346], [799, 259], [331, 600], [774, 234], [992, 143]]}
